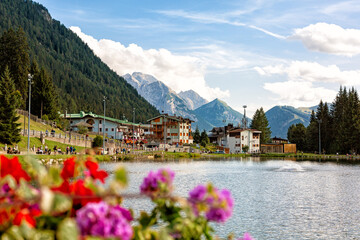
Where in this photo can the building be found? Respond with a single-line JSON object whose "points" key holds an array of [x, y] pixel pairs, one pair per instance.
{"points": [[219, 135], [176, 129], [239, 138], [278, 145], [114, 128]]}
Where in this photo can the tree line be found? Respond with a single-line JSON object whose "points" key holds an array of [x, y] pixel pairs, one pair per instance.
{"points": [[15, 72], [337, 126]]}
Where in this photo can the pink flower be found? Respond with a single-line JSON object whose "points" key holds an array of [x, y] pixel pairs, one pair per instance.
{"points": [[158, 183], [216, 205]]}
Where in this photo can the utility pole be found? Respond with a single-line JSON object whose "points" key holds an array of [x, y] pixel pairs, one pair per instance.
{"points": [[104, 127], [133, 127], [319, 121], [165, 132], [28, 143]]}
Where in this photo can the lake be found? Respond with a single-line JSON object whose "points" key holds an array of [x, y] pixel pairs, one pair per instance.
{"points": [[274, 199]]}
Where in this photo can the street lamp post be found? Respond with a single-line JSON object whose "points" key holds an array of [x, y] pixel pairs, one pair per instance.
{"points": [[28, 143], [244, 120], [133, 128], [319, 121], [104, 127], [165, 133]]}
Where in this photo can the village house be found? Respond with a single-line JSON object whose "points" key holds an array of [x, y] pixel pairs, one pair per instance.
{"points": [[239, 138], [278, 145], [114, 128], [176, 129]]}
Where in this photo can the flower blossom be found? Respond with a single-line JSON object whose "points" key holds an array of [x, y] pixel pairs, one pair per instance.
{"points": [[103, 220], [158, 183], [12, 167], [246, 237], [216, 204]]}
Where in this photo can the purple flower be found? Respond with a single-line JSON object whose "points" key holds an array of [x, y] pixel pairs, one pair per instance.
{"points": [[246, 237], [198, 193], [216, 205], [157, 183], [103, 220]]}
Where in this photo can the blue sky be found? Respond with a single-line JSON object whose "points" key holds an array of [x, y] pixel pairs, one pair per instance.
{"points": [[259, 53]]}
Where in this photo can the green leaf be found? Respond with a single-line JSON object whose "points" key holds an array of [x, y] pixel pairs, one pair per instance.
{"points": [[68, 230], [121, 176], [54, 175], [61, 203]]}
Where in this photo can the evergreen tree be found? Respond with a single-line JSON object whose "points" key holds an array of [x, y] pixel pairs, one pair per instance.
{"points": [[43, 94], [297, 134], [260, 122], [338, 114], [204, 139], [323, 115], [14, 54], [312, 134], [196, 135], [10, 99]]}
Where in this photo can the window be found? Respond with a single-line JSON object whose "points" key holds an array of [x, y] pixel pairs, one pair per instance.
{"points": [[112, 129], [100, 129], [71, 121], [106, 129], [100, 121], [242, 137]]}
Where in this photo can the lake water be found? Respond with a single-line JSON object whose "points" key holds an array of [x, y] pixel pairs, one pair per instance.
{"points": [[274, 199]]}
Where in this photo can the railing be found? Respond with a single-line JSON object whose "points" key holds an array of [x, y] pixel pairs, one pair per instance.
{"points": [[35, 118]]}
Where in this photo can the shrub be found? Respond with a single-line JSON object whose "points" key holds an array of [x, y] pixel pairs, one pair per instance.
{"points": [[97, 142]]}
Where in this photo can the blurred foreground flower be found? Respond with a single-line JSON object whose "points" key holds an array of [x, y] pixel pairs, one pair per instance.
{"points": [[216, 204], [103, 220], [158, 183]]}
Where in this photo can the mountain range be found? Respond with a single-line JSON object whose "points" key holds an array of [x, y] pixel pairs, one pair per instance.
{"points": [[188, 104], [280, 118]]}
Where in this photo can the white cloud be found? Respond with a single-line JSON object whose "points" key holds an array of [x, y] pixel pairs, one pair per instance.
{"points": [[300, 93], [300, 89], [329, 38], [214, 18], [313, 72], [180, 73]]}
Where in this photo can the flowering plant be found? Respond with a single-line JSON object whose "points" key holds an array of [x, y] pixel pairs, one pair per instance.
{"points": [[71, 202]]}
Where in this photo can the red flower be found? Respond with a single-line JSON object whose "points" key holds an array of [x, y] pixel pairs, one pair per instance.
{"points": [[93, 168], [68, 170], [63, 188], [12, 167], [28, 214], [82, 194]]}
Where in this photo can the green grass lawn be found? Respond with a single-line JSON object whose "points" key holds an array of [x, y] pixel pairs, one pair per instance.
{"points": [[36, 125]]}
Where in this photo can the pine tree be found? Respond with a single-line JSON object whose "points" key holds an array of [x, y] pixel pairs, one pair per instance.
{"points": [[260, 122], [312, 134], [204, 139], [196, 135], [297, 134], [10, 99], [14, 54], [43, 95]]}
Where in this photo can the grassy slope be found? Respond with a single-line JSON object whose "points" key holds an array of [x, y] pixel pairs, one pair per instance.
{"points": [[36, 141]]}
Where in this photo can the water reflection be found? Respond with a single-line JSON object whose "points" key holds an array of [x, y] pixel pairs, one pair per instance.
{"points": [[273, 199]]}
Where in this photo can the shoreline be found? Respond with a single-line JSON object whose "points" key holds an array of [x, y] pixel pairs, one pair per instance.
{"points": [[169, 156]]}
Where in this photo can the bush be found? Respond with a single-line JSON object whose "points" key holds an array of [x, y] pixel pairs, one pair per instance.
{"points": [[97, 142]]}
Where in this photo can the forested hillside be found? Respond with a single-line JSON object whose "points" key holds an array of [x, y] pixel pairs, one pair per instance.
{"points": [[80, 77]]}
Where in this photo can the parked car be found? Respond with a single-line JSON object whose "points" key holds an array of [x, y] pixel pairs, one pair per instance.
{"points": [[219, 152]]}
